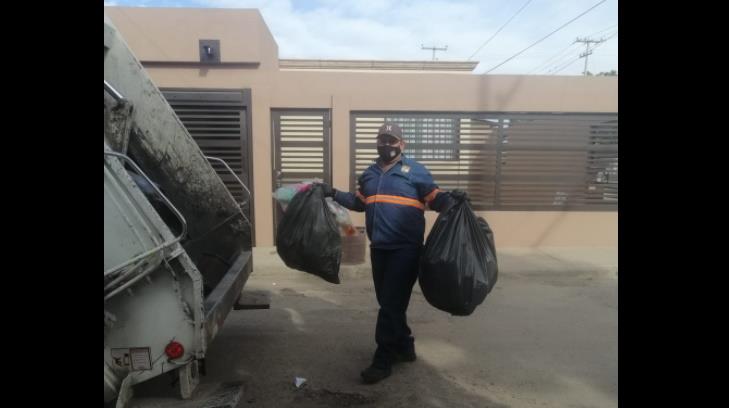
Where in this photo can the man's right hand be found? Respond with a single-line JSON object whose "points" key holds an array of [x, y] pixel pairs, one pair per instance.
{"points": [[327, 189], [444, 201]]}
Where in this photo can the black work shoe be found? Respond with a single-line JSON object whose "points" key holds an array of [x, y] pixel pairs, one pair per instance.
{"points": [[374, 374], [407, 357]]}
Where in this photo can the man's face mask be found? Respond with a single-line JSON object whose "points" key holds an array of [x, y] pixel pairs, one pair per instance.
{"points": [[388, 148]]}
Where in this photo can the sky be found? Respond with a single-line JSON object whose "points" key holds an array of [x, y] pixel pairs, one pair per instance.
{"points": [[397, 30]]}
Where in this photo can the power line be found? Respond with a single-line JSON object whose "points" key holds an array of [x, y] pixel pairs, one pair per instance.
{"points": [[588, 51], [580, 57], [546, 36], [567, 65], [501, 28], [561, 52], [562, 59], [559, 64], [552, 58], [562, 65], [604, 29], [609, 37]]}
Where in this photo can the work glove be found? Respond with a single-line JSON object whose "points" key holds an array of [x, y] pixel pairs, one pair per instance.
{"points": [[460, 195], [455, 197]]}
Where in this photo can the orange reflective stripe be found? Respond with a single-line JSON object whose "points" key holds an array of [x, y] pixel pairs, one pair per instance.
{"points": [[419, 206], [384, 198], [431, 195], [380, 197], [394, 197]]}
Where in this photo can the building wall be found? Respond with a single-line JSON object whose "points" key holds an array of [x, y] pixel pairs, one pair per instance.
{"points": [[174, 33]]}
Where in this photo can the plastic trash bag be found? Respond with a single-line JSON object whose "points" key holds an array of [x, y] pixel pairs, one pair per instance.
{"points": [[285, 194], [341, 214], [307, 238], [458, 267]]}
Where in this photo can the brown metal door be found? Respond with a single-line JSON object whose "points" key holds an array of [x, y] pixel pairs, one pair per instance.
{"points": [[302, 148]]}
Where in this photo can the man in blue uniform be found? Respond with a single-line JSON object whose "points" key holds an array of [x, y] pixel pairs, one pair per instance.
{"points": [[394, 193]]}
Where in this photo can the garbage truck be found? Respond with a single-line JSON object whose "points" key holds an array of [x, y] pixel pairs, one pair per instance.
{"points": [[177, 245]]}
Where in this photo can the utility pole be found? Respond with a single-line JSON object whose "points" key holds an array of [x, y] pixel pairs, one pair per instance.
{"points": [[434, 48], [588, 51]]}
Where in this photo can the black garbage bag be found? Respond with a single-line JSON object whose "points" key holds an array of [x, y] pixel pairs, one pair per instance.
{"points": [[458, 267], [308, 237]]}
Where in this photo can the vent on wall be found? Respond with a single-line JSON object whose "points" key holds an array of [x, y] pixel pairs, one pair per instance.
{"points": [[210, 51]]}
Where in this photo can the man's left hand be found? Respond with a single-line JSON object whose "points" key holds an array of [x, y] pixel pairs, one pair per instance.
{"points": [[327, 189]]}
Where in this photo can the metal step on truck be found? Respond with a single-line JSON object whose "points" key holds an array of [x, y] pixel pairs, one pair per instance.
{"points": [[177, 245]]}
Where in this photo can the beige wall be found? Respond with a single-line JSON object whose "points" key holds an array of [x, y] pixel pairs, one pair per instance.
{"points": [[171, 35], [343, 92]]}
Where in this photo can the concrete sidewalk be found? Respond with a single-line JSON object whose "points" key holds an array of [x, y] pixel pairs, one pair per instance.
{"points": [[546, 337], [547, 261]]}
